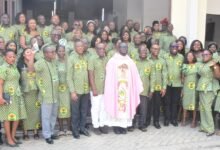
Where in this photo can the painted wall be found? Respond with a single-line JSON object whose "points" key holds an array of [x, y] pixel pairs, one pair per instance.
{"points": [[213, 7]]}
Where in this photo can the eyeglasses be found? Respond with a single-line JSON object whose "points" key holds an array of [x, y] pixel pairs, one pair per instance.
{"points": [[205, 55], [76, 25], [174, 46]]}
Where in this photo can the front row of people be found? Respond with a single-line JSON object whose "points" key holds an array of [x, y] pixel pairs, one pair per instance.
{"points": [[116, 85]]}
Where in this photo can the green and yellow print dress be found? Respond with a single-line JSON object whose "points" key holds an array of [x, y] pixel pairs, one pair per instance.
{"points": [[32, 103], [16, 110], [64, 94], [190, 95], [207, 87], [8, 33]]}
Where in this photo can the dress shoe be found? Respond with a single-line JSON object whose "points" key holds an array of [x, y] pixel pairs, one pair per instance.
{"points": [[116, 130], [76, 136], [157, 125], [166, 123], [97, 131], [54, 137], [36, 136], [174, 123], [49, 140], [143, 129], [84, 132], [104, 130], [123, 130], [131, 129]]}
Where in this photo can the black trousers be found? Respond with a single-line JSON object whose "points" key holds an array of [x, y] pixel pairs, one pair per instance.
{"points": [[142, 109], [153, 107], [172, 100], [79, 113]]}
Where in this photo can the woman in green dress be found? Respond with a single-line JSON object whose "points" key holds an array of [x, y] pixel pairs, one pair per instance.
{"points": [[95, 40], [29, 32], [190, 79], [104, 35], [197, 48], [90, 30], [207, 87], [12, 108], [64, 95], [20, 25], [12, 46], [30, 92]]}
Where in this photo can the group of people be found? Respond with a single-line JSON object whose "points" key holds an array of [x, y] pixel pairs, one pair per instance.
{"points": [[124, 78]]}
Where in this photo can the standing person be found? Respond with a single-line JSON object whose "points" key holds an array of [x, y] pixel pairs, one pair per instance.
{"points": [[96, 67], [104, 35], [207, 87], [90, 30], [158, 85], [181, 47], [64, 96], [113, 30], [78, 82], [167, 38], [7, 31], [144, 66], [133, 52], [123, 86], [20, 25], [29, 32], [190, 79], [47, 80], [156, 29], [55, 21], [11, 112], [41, 24], [174, 62], [197, 48], [30, 92]]}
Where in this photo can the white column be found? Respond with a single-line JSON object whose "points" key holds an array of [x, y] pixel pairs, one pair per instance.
{"points": [[189, 19]]}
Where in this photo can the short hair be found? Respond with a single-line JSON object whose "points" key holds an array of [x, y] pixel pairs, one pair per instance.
{"points": [[155, 22], [7, 51], [45, 47], [212, 43]]}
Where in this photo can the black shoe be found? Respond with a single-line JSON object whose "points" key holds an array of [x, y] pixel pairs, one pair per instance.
{"points": [[84, 132], [174, 123], [157, 125], [49, 140], [116, 130], [97, 131], [54, 137], [123, 130], [76, 136], [210, 134], [143, 129], [166, 123], [104, 130], [131, 129]]}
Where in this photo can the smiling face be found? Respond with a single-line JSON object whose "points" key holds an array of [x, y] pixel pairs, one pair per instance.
{"points": [[123, 49], [206, 56], [173, 48], [10, 57], [32, 24]]}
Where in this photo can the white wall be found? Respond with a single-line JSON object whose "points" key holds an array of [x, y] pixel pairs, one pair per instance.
{"points": [[213, 7], [155, 10], [144, 11]]}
